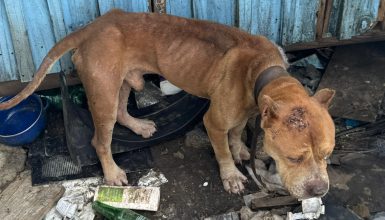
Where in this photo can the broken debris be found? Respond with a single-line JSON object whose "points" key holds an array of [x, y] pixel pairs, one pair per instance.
{"points": [[152, 178], [227, 216], [246, 213], [76, 201], [311, 209], [271, 181]]}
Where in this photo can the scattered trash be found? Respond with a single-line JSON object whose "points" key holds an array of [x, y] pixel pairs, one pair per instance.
{"points": [[53, 96], [76, 200], [311, 209], [67, 206], [271, 181], [150, 95], [310, 60], [205, 184], [113, 213], [227, 216], [168, 88], [152, 178], [247, 213], [129, 197]]}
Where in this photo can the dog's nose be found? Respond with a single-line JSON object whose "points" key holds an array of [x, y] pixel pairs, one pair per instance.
{"points": [[316, 188]]}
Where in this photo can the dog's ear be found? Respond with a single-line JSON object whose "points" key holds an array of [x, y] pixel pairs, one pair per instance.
{"points": [[324, 96], [269, 111]]}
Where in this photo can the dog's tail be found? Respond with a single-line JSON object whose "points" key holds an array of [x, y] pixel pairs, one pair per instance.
{"points": [[66, 44]]}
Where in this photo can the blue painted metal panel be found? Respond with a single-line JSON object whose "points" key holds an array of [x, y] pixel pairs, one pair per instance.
{"points": [[218, 11], [182, 8], [60, 31], [299, 20], [77, 14], [357, 17], [7, 58], [28, 28], [262, 17], [131, 6], [21, 45], [39, 28]]}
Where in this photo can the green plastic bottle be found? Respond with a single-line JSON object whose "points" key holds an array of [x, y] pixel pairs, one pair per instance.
{"points": [[113, 213]]}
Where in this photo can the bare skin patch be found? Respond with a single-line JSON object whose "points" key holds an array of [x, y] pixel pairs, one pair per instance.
{"points": [[296, 119]]}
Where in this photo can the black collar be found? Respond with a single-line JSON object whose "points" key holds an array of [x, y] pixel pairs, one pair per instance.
{"points": [[263, 79], [267, 76]]}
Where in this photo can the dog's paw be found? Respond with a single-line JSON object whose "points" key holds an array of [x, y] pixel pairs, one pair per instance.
{"points": [[233, 180], [143, 127], [115, 177]]}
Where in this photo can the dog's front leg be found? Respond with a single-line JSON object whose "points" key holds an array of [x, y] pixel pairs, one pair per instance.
{"points": [[231, 177]]}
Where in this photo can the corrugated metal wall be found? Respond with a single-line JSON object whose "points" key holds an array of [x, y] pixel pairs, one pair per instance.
{"points": [[29, 28]]}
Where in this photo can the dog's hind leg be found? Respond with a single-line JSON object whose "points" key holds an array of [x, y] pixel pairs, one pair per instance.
{"points": [[103, 96], [237, 147], [142, 127]]}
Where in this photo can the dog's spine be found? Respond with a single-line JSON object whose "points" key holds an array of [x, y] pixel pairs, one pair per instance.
{"points": [[66, 44]]}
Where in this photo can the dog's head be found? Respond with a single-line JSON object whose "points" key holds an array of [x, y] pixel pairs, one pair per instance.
{"points": [[299, 136]]}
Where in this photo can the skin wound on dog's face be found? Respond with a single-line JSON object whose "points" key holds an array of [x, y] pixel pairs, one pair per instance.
{"points": [[299, 144]]}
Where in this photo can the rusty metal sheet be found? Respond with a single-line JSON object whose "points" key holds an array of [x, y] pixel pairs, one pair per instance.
{"points": [[357, 73]]}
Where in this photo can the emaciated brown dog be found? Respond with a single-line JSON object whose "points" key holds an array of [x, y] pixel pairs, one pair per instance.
{"points": [[208, 60]]}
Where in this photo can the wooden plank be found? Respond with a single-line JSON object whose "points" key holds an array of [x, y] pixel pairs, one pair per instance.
{"points": [[358, 17], [130, 6], [8, 70], [51, 81], [328, 11], [370, 36], [299, 21], [266, 202], [22, 201], [60, 31], [334, 18], [40, 33], [320, 18], [381, 11], [218, 11], [381, 15], [255, 14], [19, 35], [181, 8]]}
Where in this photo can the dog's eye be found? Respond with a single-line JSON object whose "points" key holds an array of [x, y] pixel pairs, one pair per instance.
{"points": [[295, 160]]}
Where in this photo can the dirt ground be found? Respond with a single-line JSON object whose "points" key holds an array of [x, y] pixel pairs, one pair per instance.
{"points": [[194, 189]]}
